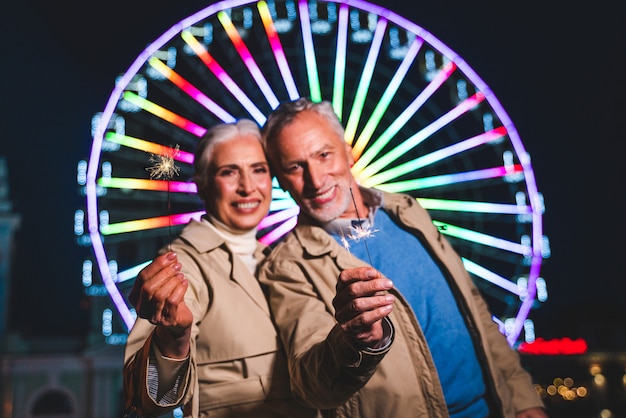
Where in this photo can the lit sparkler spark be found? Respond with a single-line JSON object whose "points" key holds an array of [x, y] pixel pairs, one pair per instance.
{"points": [[164, 166], [361, 233], [345, 242]]}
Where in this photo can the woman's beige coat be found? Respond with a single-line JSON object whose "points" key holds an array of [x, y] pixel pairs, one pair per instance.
{"points": [[237, 367]]}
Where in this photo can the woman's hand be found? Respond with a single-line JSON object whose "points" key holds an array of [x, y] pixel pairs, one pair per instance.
{"points": [[158, 296]]}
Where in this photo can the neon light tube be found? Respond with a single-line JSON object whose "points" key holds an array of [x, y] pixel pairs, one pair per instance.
{"points": [[479, 238], [279, 232], [130, 273], [277, 49], [192, 91], [473, 207], [309, 52], [221, 75], [250, 63], [142, 184], [278, 217], [447, 179], [404, 117], [340, 60], [436, 156], [423, 134], [149, 223], [386, 98], [490, 276], [365, 80], [151, 147], [164, 114]]}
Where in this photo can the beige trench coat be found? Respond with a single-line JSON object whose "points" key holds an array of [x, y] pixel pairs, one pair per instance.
{"points": [[301, 274], [237, 367]]}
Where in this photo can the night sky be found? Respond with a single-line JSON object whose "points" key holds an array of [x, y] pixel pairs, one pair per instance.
{"points": [[560, 73]]}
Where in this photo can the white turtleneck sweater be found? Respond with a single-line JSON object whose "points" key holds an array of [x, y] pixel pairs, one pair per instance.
{"points": [[241, 243]]}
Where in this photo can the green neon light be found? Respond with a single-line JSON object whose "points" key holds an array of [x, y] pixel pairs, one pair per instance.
{"points": [[475, 207], [364, 82]]}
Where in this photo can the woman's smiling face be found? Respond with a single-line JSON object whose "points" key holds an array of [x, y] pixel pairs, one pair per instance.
{"points": [[240, 187]]}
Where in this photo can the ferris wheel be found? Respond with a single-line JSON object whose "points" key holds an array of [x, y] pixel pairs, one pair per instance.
{"points": [[419, 119]]}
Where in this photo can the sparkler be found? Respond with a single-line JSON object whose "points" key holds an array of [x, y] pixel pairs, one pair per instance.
{"points": [[164, 167], [360, 233]]}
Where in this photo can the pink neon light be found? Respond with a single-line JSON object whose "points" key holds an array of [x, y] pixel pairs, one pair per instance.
{"points": [[278, 217], [165, 114], [245, 55], [280, 231], [143, 184], [277, 49], [192, 91]]}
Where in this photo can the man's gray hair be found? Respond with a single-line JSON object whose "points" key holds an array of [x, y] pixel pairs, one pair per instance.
{"points": [[284, 114]]}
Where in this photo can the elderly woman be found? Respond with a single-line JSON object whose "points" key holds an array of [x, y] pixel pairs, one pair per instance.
{"points": [[204, 338]]}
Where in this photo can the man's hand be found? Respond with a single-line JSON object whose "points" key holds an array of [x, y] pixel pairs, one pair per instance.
{"points": [[361, 302], [158, 296]]}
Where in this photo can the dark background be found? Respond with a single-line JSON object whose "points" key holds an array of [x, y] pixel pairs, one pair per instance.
{"points": [[559, 71]]}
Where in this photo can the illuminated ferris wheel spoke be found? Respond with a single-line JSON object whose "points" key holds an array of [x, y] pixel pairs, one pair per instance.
{"points": [[365, 80], [143, 184], [149, 223], [223, 76], [474, 207], [191, 90], [279, 217], [480, 238], [436, 156], [491, 277], [373, 151], [315, 89], [385, 100], [131, 272], [151, 147], [279, 232], [446, 179], [422, 135], [244, 53], [340, 59], [278, 51], [164, 114]]}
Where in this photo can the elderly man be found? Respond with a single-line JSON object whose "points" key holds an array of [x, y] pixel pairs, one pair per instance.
{"points": [[422, 346]]}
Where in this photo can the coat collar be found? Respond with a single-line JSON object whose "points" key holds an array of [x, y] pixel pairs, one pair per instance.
{"points": [[204, 239], [317, 242]]}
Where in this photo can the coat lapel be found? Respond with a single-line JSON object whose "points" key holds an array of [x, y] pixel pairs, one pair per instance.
{"points": [[204, 239]]}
